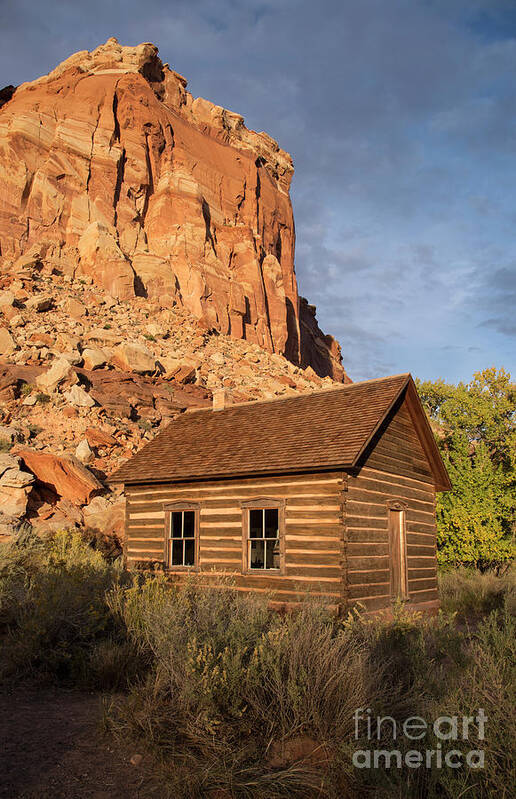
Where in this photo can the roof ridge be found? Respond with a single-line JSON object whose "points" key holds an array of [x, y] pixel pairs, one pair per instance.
{"points": [[300, 394]]}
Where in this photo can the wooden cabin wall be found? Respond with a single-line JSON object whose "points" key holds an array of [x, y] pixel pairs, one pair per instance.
{"points": [[314, 531], [396, 469]]}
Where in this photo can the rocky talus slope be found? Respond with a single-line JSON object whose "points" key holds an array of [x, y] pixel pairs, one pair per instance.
{"points": [[86, 379], [111, 170]]}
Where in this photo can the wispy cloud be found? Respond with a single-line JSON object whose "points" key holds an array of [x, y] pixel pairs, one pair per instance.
{"points": [[400, 119]]}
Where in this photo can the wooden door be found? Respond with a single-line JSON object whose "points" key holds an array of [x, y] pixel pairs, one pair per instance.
{"points": [[398, 553]]}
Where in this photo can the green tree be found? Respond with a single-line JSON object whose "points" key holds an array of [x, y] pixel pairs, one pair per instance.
{"points": [[475, 428]]}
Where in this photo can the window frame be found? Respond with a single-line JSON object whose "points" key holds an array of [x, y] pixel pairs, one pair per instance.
{"points": [[398, 506], [263, 503], [177, 507]]}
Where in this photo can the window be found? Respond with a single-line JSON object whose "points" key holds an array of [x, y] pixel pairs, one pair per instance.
{"points": [[181, 537], [262, 531], [398, 551]]}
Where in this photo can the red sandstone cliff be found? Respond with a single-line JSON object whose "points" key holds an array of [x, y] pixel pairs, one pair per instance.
{"points": [[111, 169]]}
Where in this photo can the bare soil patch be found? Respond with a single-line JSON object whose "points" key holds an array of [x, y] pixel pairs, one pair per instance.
{"points": [[52, 747]]}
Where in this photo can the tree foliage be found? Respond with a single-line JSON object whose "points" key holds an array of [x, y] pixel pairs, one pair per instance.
{"points": [[475, 428]]}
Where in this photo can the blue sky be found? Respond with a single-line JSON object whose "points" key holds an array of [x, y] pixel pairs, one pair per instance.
{"points": [[401, 119]]}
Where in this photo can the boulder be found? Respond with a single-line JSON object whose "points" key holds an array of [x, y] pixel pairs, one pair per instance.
{"points": [[78, 397], [94, 358], [59, 373], [7, 299], [7, 343], [15, 485], [39, 303], [83, 451], [106, 516], [10, 434], [185, 373], [133, 357], [13, 501], [99, 439], [74, 308], [66, 476], [169, 366]]}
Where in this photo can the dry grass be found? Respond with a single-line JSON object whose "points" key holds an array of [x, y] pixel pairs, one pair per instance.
{"points": [[229, 699]]}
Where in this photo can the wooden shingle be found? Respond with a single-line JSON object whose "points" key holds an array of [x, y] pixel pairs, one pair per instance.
{"points": [[323, 430]]}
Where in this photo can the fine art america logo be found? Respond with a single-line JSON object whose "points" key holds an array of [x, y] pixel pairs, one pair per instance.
{"points": [[445, 729]]}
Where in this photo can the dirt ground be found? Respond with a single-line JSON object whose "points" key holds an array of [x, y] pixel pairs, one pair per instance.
{"points": [[52, 747]]}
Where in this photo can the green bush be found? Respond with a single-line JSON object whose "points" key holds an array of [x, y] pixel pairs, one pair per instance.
{"points": [[53, 606]]}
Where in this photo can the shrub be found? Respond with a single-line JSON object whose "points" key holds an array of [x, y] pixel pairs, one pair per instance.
{"points": [[489, 682], [5, 445], [235, 688], [53, 606], [471, 592], [43, 399]]}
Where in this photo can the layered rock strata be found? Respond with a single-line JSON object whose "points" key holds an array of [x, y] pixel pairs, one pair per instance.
{"points": [[110, 169]]}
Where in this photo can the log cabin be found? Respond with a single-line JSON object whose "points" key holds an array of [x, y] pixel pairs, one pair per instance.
{"points": [[330, 493]]}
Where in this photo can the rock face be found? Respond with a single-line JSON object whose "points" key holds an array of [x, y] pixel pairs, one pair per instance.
{"points": [[67, 477], [112, 171]]}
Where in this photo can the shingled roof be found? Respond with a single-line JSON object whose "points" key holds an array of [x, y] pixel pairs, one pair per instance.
{"points": [[323, 430]]}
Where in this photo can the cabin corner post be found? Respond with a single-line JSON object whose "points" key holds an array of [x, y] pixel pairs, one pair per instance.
{"points": [[125, 538], [344, 546]]}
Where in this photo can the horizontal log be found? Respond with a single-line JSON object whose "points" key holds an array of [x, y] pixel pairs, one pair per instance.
{"points": [[411, 481], [220, 515], [226, 552], [276, 582], [354, 522], [296, 528], [372, 603], [219, 564], [394, 466], [390, 486], [368, 590], [382, 497], [427, 539], [422, 584], [373, 536], [423, 596], [365, 549], [324, 573], [422, 562], [309, 545], [311, 518], [298, 505], [372, 562], [368, 576], [415, 573], [309, 483], [315, 559], [416, 551], [204, 525]]}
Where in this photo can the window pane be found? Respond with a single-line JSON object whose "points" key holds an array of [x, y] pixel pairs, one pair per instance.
{"points": [[256, 556], [256, 523], [271, 522], [272, 554], [177, 552], [189, 528], [189, 552], [177, 521]]}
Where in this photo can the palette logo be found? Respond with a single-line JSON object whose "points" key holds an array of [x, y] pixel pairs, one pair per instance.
{"points": [[445, 729]]}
